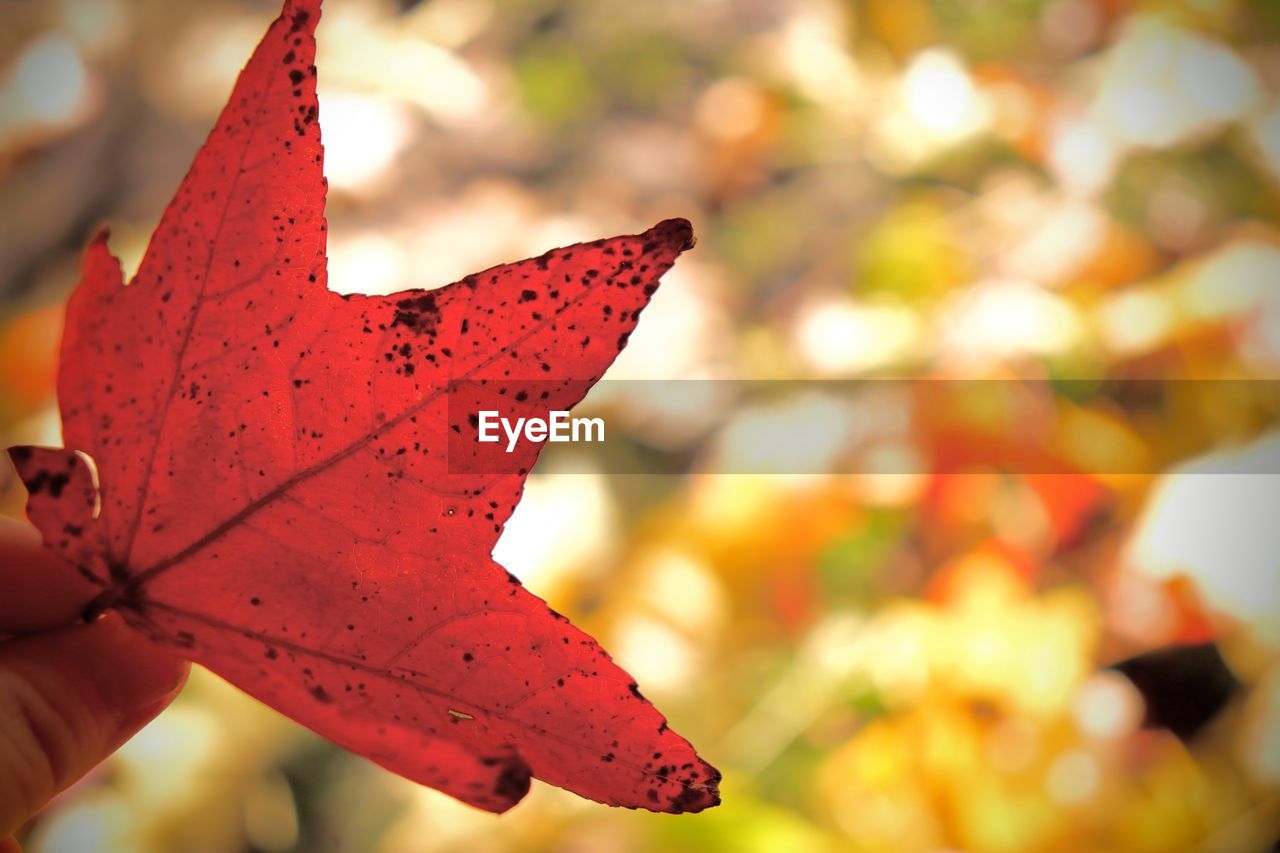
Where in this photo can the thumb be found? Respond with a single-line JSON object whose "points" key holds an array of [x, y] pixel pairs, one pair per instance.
{"points": [[68, 698]]}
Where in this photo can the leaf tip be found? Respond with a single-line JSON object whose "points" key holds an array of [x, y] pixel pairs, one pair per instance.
{"points": [[19, 454], [300, 15], [677, 232], [698, 796], [98, 260], [53, 474]]}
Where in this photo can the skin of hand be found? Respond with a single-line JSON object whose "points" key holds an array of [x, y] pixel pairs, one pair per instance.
{"points": [[70, 693]]}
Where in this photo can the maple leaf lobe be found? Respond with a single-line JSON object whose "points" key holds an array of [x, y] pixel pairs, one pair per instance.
{"points": [[258, 474]]}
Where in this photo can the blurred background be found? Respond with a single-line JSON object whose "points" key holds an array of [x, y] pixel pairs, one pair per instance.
{"points": [[946, 656]]}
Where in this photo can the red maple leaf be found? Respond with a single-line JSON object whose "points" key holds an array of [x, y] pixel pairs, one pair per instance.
{"points": [[257, 471]]}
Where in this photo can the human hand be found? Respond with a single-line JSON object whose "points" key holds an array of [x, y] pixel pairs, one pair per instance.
{"points": [[70, 693]]}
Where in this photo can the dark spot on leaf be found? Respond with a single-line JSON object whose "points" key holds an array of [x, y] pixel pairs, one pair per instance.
{"points": [[418, 313], [513, 781]]}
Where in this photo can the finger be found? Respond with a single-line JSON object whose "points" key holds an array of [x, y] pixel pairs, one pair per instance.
{"points": [[68, 698], [41, 590]]}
